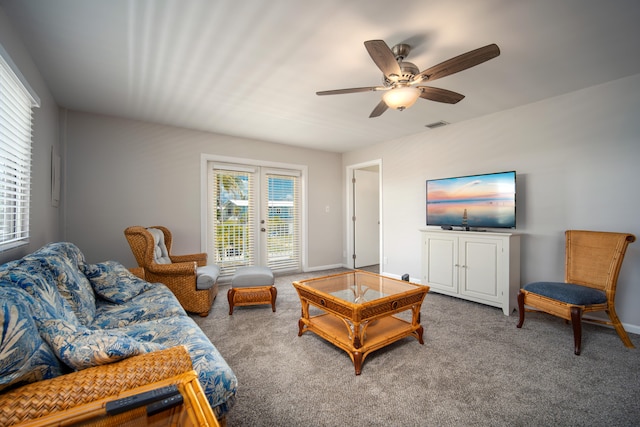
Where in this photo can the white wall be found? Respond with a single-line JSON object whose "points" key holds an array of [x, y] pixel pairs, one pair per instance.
{"points": [[577, 159], [44, 218], [122, 172]]}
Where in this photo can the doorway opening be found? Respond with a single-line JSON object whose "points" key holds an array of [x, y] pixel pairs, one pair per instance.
{"points": [[364, 216]]}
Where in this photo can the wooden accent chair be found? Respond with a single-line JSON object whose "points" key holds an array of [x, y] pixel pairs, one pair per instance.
{"points": [[592, 264], [189, 277]]}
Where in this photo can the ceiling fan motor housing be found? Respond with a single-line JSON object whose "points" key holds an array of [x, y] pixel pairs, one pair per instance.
{"points": [[401, 51], [408, 70]]}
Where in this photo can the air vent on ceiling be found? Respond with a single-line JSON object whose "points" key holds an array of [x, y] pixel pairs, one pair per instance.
{"points": [[437, 124]]}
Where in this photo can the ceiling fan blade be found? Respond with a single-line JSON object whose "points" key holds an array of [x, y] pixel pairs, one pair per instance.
{"points": [[350, 90], [383, 57], [440, 95], [380, 108], [460, 63]]}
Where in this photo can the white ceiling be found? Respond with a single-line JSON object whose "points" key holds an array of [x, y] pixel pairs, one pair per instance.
{"points": [[250, 68]]}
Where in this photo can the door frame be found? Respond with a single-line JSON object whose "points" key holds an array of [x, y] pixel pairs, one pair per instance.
{"points": [[204, 206], [350, 234]]}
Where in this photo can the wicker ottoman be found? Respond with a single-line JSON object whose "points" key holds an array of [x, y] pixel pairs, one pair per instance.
{"points": [[252, 286]]}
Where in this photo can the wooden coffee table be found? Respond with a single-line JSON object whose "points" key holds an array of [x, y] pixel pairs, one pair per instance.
{"points": [[358, 311]]}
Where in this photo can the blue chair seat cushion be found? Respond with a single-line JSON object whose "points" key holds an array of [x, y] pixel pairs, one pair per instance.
{"points": [[568, 292]]}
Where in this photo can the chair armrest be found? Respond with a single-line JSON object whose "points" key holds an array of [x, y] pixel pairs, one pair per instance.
{"points": [[62, 393], [175, 269], [200, 259]]}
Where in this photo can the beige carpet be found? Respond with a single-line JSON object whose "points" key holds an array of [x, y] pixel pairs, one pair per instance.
{"points": [[475, 369]]}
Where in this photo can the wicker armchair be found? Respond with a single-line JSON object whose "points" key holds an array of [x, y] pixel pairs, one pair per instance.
{"points": [[592, 263], [80, 396], [188, 276]]}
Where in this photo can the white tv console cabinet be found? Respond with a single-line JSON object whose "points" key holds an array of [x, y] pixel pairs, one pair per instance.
{"points": [[477, 266]]}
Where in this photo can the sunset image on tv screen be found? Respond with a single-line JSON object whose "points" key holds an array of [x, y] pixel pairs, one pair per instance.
{"points": [[473, 201]]}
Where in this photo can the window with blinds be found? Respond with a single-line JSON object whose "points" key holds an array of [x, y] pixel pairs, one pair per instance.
{"points": [[283, 220], [232, 217], [16, 103]]}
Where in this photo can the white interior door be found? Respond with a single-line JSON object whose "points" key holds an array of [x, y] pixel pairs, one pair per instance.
{"points": [[366, 225]]}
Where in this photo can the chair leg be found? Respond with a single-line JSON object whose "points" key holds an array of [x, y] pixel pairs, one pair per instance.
{"points": [[274, 294], [230, 293], [618, 326], [576, 321], [520, 309]]}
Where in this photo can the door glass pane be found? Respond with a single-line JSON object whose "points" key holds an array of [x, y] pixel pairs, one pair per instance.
{"points": [[283, 221], [233, 218]]}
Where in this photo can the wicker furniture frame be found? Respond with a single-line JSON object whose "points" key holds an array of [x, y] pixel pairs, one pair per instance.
{"points": [[179, 276], [360, 328], [256, 295], [592, 259], [81, 395]]}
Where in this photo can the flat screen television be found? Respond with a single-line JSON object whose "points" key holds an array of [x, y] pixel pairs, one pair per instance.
{"points": [[478, 201]]}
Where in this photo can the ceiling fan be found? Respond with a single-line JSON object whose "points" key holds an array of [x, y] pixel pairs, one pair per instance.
{"points": [[402, 78]]}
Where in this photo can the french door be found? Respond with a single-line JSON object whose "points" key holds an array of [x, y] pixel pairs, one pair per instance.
{"points": [[254, 217]]}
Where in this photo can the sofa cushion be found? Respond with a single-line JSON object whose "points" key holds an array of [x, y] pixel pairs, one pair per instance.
{"points": [[216, 377], [24, 357], [154, 303], [67, 264], [114, 282], [38, 281], [80, 347]]}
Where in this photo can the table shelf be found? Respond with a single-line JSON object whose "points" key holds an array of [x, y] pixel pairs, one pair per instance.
{"points": [[360, 328]]}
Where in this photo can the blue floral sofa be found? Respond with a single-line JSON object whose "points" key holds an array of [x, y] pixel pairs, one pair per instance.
{"points": [[61, 314]]}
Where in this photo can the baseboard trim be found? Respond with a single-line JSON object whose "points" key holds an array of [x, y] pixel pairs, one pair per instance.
{"points": [[324, 267], [632, 329], [399, 277]]}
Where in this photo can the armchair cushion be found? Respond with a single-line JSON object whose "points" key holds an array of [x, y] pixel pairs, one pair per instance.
{"points": [[24, 356], [80, 347], [160, 252], [114, 282], [568, 292], [206, 276]]}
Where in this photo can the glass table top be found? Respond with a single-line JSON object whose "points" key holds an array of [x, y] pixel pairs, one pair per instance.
{"points": [[359, 286]]}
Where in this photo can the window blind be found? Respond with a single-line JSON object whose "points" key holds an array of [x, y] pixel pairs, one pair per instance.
{"points": [[16, 103], [232, 215], [283, 220]]}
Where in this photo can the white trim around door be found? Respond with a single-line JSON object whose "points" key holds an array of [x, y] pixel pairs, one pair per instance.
{"points": [[206, 160]]}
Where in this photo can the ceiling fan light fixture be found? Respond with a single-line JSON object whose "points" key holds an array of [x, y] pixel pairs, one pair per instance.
{"points": [[401, 97]]}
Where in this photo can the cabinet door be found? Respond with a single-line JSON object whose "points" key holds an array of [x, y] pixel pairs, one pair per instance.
{"points": [[480, 268], [439, 263]]}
